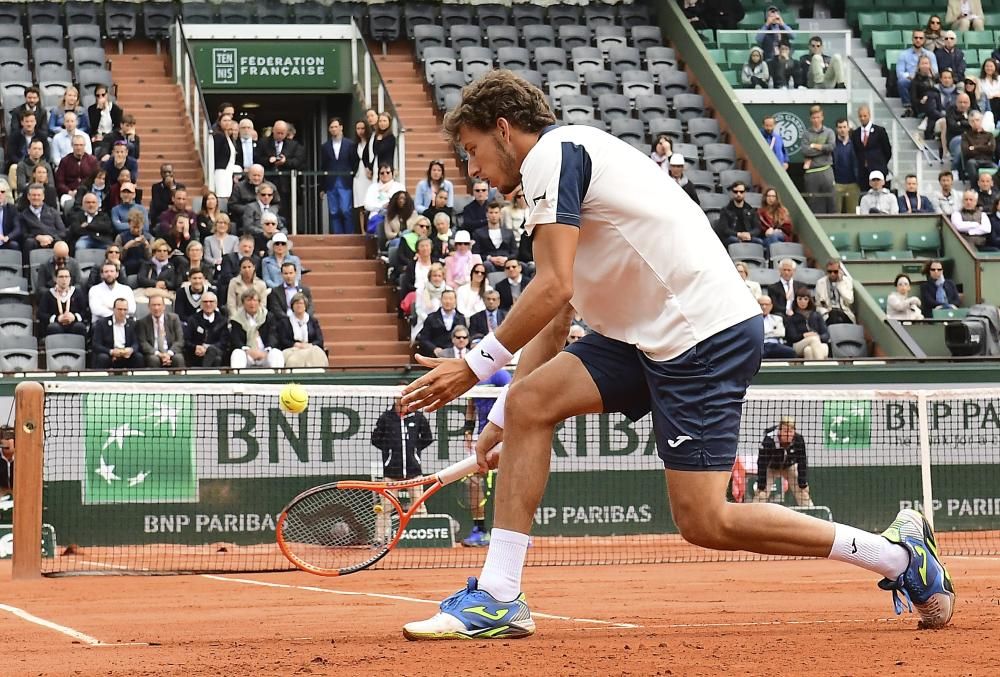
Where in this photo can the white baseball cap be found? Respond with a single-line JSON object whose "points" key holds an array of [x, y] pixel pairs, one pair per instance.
{"points": [[876, 175], [676, 160]]}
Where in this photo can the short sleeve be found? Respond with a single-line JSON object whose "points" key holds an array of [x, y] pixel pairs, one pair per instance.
{"points": [[556, 185]]}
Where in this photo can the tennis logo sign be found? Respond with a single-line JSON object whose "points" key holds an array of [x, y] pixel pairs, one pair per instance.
{"points": [[139, 449], [847, 424]]}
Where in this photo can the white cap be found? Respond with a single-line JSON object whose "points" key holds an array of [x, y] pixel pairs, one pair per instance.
{"points": [[279, 237], [676, 160], [463, 236], [876, 175]]}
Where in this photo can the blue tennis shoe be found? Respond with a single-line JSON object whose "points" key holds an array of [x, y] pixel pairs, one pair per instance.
{"points": [[472, 613]]}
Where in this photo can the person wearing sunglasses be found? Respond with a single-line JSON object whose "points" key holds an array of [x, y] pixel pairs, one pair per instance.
{"points": [[738, 220], [937, 291], [474, 214], [949, 55], [834, 294], [103, 116]]}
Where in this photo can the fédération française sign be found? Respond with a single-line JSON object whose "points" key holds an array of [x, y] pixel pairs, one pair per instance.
{"points": [[271, 65]]}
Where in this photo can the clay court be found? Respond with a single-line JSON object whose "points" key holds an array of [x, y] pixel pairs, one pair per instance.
{"points": [[752, 618]]}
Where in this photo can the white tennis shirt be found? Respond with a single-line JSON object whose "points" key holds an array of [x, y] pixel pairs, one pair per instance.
{"points": [[649, 269]]}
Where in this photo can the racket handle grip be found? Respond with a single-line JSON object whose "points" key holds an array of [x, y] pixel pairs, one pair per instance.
{"points": [[463, 468]]}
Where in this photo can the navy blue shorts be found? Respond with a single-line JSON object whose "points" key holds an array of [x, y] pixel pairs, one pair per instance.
{"points": [[696, 398]]}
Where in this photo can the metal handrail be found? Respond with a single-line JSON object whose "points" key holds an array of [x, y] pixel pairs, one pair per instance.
{"points": [[195, 107]]}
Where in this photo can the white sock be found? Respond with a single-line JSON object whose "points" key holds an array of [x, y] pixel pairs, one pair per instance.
{"points": [[501, 576], [869, 551]]}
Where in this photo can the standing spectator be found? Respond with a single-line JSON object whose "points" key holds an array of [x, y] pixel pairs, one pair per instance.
{"points": [[835, 294], [784, 290], [911, 201], [964, 15], [937, 292], [135, 244], [18, 143], [949, 55], [10, 223], [42, 225], [784, 70], [207, 337], [32, 104], [676, 170], [433, 184], [956, 124], [512, 286], [188, 299], [474, 214], [251, 334], [972, 220], [899, 305], [276, 260], [225, 111], [220, 242], [435, 336], [871, 147], [89, 227], [74, 169], [774, 33], [115, 345], [494, 244], [300, 337], [806, 330], [247, 152], [775, 221], [246, 281], [179, 205], [163, 192], [161, 337], [279, 299], [490, 317], [978, 148], [226, 156], [339, 158], [782, 455], [70, 103], [157, 276], [738, 221], [384, 142], [817, 149], [906, 68], [986, 193], [363, 175], [878, 200], [754, 74], [121, 211], [744, 270], [471, 297], [774, 347], [845, 170], [947, 201], [283, 155], [6, 460], [821, 71], [662, 151], [62, 309], [774, 141], [458, 265], [933, 35], [104, 116]]}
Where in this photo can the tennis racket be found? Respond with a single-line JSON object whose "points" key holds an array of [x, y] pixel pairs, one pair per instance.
{"points": [[339, 528]]}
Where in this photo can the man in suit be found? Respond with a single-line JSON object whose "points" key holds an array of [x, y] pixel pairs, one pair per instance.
{"points": [[339, 158], [485, 321], [161, 338], [253, 212], [245, 193], [115, 345], [871, 146], [207, 339], [493, 243], [282, 154], [279, 300], [459, 342], [42, 225], [783, 291], [510, 287], [247, 153], [230, 266], [10, 223], [435, 336], [19, 142]]}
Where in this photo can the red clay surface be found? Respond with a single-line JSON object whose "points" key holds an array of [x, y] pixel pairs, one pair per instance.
{"points": [[812, 618]]}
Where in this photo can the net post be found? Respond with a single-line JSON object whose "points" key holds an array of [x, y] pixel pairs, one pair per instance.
{"points": [[29, 400], [925, 458]]}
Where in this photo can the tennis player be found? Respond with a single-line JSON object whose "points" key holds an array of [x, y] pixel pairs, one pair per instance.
{"points": [[675, 333]]}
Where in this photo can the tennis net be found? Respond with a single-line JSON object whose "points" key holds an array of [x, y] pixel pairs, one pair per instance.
{"points": [[157, 477]]}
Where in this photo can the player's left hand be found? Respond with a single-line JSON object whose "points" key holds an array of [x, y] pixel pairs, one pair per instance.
{"points": [[448, 378]]}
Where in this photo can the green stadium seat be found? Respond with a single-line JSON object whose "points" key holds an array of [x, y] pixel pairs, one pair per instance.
{"points": [[879, 240], [732, 77], [905, 21], [871, 21], [949, 313], [850, 255], [977, 39], [885, 40], [991, 18], [891, 56], [737, 57], [924, 244], [729, 40], [841, 241], [718, 56], [882, 300], [893, 254]]}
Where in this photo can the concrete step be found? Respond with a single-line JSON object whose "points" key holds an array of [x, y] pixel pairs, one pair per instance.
{"points": [[347, 306], [358, 319], [318, 280], [361, 333], [369, 361], [339, 252], [345, 349], [352, 292], [327, 240]]}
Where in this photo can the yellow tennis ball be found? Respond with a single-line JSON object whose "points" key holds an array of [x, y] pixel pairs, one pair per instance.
{"points": [[293, 399], [378, 509]]}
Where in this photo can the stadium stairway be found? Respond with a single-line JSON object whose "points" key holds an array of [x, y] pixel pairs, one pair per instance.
{"points": [[145, 89], [353, 305], [415, 106]]}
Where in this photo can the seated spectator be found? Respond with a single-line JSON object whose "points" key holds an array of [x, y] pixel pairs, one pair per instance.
{"points": [[89, 227], [978, 148], [821, 71], [774, 347], [161, 337], [754, 74], [163, 192], [278, 256], [774, 33], [45, 274], [933, 35], [947, 201], [40, 175], [26, 167], [10, 224], [835, 294], [513, 215], [775, 221], [576, 332], [774, 140], [168, 218], [443, 244], [135, 244], [511, 287], [251, 335], [253, 213], [115, 344], [188, 299], [440, 206], [925, 97], [114, 190], [247, 280], [994, 218], [378, 196], [220, 242], [956, 124], [937, 292], [494, 244], [660, 153], [878, 200], [428, 188], [206, 338], [245, 194], [112, 254], [675, 168], [18, 142], [784, 70], [126, 134], [101, 297], [63, 308], [900, 305], [158, 275], [61, 144], [400, 215], [70, 103], [120, 160], [972, 220], [986, 193], [490, 317], [300, 337], [121, 212], [947, 93], [180, 235], [744, 270], [279, 299], [208, 215], [414, 275], [42, 225], [194, 259], [911, 201], [459, 343], [950, 56], [806, 330], [906, 68], [471, 297], [435, 336], [964, 15], [408, 239], [458, 265], [230, 266], [98, 185], [104, 116], [262, 240], [428, 299], [474, 214], [738, 221], [784, 290]]}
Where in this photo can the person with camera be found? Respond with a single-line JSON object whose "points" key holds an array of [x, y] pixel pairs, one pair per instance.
{"points": [[774, 33]]}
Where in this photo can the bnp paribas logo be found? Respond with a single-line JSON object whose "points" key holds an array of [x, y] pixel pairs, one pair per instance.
{"points": [[139, 449], [224, 66], [847, 424]]}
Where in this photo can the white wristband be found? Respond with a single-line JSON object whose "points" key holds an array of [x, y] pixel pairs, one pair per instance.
{"points": [[488, 357], [496, 411]]}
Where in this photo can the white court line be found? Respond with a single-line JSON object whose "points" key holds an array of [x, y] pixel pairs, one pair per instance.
{"points": [[402, 598], [757, 624], [69, 632]]}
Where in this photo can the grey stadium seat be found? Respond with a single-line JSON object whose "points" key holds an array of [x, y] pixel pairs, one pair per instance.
{"points": [[43, 13], [532, 76], [562, 82], [637, 83], [847, 340], [158, 17], [753, 199], [17, 320], [614, 107], [651, 106], [629, 130], [490, 15], [688, 106], [120, 19], [428, 35], [587, 59], [599, 14], [788, 250], [88, 57], [702, 179], [633, 14], [748, 252], [437, 59], [308, 12], [81, 12], [11, 36], [594, 122], [541, 35], [193, 13], [513, 58], [808, 276], [690, 153], [18, 353], [549, 58], [384, 22], [14, 56], [719, 156], [562, 15], [672, 84], [527, 16], [417, 14], [600, 82], [670, 126], [574, 36], [89, 77], [730, 176], [457, 15], [447, 81], [501, 36], [50, 56], [46, 35], [65, 352], [764, 276], [607, 37], [577, 113], [10, 262], [646, 37], [460, 36], [476, 60], [704, 131], [712, 204], [623, 59], [85, 35], [660, 56]]}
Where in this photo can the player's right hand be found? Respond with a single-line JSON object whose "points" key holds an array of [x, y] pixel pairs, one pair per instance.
{"points": [[487, 451]]}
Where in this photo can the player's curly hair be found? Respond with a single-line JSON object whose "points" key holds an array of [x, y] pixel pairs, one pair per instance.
{"points": [[499, 94]]}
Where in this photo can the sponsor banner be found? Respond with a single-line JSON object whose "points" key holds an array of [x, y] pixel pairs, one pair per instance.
{"points": [[430, 531], [7, 541], [269, 65]]}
